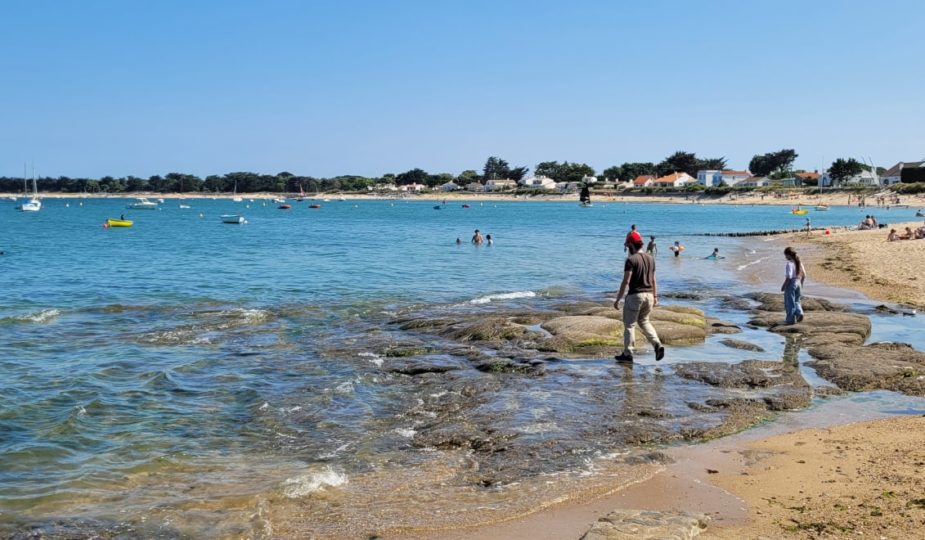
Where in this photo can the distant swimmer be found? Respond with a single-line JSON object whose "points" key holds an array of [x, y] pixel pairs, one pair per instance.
{"points": [[919, 214], [652, 249], [458, 241], [477, 238], [677, 248], [715, 255], [488, 239]]}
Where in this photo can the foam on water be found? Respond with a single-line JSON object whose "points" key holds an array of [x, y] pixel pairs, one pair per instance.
{"points": [[38, 317], [312, 482], [502, 296]]}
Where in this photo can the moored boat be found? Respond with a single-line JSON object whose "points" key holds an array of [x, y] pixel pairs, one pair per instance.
{"points": [[314, 206], [822, 207], [119, 222], [284, 207], [233, 219], [142, 203]]}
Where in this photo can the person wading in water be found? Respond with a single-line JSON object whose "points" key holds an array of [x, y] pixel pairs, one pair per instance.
{"points": [[639, 278]]}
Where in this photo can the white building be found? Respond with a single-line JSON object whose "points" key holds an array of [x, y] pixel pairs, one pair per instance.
{"points": [[589, 179], [865, 178], [475, 186], [538, 182], [894, 175], [675, 180], [450, 186], [500, 185], [413, 188], [753, 182], [706, 177]]}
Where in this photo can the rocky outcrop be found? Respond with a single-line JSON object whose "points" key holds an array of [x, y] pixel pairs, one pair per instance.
{"points": [[887, 366], [824, 326], [647, 525]]}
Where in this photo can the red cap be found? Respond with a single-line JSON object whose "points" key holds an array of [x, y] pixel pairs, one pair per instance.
{"points": [[634, 237]]}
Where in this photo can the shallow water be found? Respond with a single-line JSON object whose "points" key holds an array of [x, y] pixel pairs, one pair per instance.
{"points": [[187, 377]]}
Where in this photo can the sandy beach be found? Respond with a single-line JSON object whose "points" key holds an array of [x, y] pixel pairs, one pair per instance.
{"points": [[866, 262]]}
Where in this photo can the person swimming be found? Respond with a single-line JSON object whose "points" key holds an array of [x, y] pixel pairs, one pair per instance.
{"points": [[715, 255], [488, 239], [458, 241], [677, 248]]}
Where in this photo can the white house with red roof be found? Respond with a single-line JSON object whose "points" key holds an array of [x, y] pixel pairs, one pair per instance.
{"points": [[644, 180], [678, 179]]}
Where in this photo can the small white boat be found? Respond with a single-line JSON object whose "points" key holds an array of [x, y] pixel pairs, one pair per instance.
{"points": [[234, 196], [142, 204], [161, 201], [184, 206], [233, 219], [34, 204], [822, 207], [279, 200], [11, 198]]}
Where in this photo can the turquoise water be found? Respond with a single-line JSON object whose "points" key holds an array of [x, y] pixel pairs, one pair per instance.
{"points": [[186, 369]]}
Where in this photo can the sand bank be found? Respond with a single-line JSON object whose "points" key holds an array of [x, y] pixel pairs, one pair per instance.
{"points": [[865, 261]]}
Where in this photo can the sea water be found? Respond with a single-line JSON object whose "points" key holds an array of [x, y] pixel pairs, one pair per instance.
{"points": [[190, 377]]}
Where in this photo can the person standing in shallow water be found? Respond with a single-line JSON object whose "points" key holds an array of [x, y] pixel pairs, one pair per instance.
{"points": [[641, 298], [477, 238], [794, 276]]}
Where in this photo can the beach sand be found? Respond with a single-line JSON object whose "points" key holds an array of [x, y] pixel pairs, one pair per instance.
{"points": [[866, 262], [860, 480]]}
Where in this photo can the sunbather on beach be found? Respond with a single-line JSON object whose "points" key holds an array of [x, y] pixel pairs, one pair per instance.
{"points": [[893, 237]]}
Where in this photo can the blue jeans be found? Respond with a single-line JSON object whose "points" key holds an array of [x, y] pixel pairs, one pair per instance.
{"points": [[792, 307]]}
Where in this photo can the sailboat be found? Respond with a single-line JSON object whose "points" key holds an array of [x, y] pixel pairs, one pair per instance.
{"points": [[235, 197], [585, 197], [301, 194], [34, 204]]}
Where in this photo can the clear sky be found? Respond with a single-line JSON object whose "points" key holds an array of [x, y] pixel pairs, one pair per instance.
{"points": [[94, 88]]}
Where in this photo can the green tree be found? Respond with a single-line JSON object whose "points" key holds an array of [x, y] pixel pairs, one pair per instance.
{"points": [[780, 162], [679, 162], [495, 169], [613, 173], [548, 168], [630, 171], [711, 164], [467, 177], [843, 169], [414, 176]]}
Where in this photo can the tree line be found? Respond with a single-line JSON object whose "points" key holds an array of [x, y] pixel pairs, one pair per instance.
{"points": [[772, 164]]}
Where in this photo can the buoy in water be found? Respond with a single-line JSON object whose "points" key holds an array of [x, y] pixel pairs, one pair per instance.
{"points": [[200, 215]]}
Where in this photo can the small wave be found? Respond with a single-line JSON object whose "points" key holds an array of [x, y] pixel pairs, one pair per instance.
{"points": [[39, 317], [307, 484], [502, 296], [405, 432], [746, 265], [374, 358]]}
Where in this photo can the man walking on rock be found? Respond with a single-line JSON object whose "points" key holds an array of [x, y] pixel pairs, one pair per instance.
{"points": [[639, 277]]}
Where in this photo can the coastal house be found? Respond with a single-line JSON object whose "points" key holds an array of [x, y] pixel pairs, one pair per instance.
{"points": [[538, 182], [707, 178], [674, 180], [865, 178], [475, 186], [500, 185], [413, 188], [753, 182], [731, 178], [386, 187], [710, 178], [568, 187], [811, 178], [644, 180], [913, 171], [450, 186]]}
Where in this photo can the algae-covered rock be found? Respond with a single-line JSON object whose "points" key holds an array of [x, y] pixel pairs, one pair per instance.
{"points": [[775, 302], [887, 366]]}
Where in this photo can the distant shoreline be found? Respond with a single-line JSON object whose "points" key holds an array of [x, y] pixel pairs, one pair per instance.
{"points": [[734, 199]]}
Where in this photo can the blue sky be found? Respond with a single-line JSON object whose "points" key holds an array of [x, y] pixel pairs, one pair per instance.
{"points": [[320, 88]]}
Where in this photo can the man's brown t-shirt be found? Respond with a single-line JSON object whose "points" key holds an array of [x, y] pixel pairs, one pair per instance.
{"points": [[642, 265]]}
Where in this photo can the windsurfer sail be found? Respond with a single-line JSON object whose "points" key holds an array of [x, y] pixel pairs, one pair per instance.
{"points": [[585, 197]]}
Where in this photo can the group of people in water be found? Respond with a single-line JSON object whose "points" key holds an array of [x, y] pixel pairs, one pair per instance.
{"points": [[478, 239]]}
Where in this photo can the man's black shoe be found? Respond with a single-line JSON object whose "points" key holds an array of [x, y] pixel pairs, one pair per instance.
{"points": [[659, 353], [623, 357]]}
